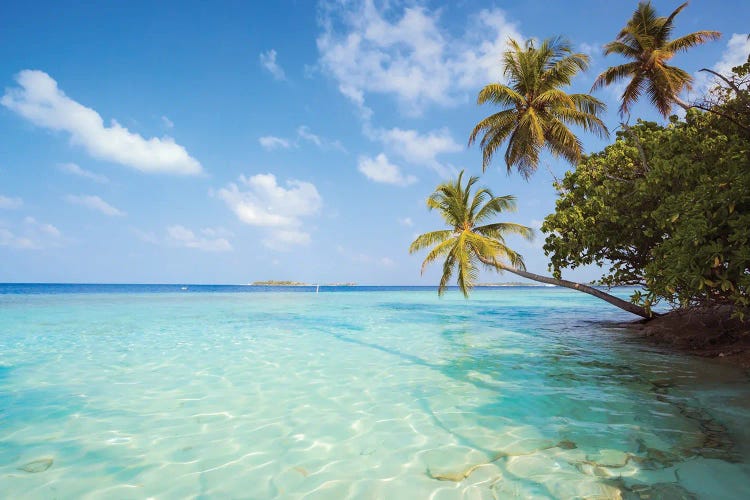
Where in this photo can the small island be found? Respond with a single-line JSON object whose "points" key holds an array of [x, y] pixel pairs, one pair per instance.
{"points": [[279, 283]]}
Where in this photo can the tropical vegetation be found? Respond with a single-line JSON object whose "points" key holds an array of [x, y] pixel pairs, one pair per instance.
{"points": [[666, 207], [645, 42], [536, 111], [473, 238]]}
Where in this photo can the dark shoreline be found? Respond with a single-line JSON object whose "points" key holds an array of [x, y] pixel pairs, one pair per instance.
{"points": [[709, 333]]}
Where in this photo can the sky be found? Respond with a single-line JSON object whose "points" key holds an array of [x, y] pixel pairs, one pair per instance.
{"points": [[229, 142]]}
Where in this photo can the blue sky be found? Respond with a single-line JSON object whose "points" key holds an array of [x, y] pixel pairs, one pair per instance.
{"points": [[209, 142]]}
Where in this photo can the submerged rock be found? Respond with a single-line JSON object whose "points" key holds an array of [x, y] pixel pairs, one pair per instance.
{"points": [[566, 444], [659, 491], [40, 465]]}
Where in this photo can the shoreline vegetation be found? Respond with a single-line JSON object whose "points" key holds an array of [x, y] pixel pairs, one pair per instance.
{"points": [[664, 208]]}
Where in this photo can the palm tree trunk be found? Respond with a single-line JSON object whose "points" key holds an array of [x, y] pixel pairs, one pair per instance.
{"points": [[684, 105], [615, 301]]}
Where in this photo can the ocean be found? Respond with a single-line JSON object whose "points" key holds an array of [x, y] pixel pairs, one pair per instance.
{"points": [[194, 391]]}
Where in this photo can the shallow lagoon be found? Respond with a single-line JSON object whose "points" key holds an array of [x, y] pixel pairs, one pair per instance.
{"points": [[385, 393]]}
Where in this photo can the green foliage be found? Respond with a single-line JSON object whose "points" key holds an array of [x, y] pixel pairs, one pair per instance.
{"points": [[471, 236], [536, 112], [645, 41], [668, 207]]}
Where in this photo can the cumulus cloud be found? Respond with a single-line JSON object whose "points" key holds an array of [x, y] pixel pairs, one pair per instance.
{"points": [[408, 53], [738, 48], [73, 169], [39, 100], [9, 203], [270, 142], [268, 61], [260, 201], [181, 236], [735, 54], [379, 169], [93, 202], [419, 149]]}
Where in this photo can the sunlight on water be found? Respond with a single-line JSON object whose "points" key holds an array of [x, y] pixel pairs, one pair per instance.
{"points": [[516, 393]]}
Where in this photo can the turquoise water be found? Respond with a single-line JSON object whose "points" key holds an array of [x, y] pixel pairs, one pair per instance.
{"points": [[136, 392]]}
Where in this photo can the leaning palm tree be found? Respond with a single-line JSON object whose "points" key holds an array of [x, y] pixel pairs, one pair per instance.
{"points": [[536, 112], [645, 42], [473, 238]]}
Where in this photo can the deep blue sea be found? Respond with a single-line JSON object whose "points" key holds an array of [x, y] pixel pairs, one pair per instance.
{"points": [[187, 391]]}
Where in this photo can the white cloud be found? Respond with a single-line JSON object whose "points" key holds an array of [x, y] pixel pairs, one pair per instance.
{"points": [[42, 227], [409, 54], [270, 142], [167, 122], [40, 101], [10, 203], [735, 54], [419, 149], [73, 169], [379, 169], [181, 236], [260, 201], [268, 61], [95, 203], [32, 235], [738, 48], [406, 221], [9, 239]]}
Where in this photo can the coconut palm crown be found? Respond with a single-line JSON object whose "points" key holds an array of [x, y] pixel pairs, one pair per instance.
{"points": [[536, 112], [471, 236], [645, 41]]}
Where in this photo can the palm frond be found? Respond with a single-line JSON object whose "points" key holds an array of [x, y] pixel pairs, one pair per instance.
{"points": [[631, 93], [622, 48], [562, 142], [686, 42], [495, 206], [498, 230], [439, 250], [587, 121], [497, 93], [467, 271], [615, 74], [668, 24], [448, 265], [428, 239]]}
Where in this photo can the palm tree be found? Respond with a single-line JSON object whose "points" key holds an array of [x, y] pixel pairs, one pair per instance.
{"points": [[472, 237], [645, 41], [536, 111]]}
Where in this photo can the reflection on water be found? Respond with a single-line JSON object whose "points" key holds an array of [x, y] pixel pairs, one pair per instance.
{"points": [[518, 393]]}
